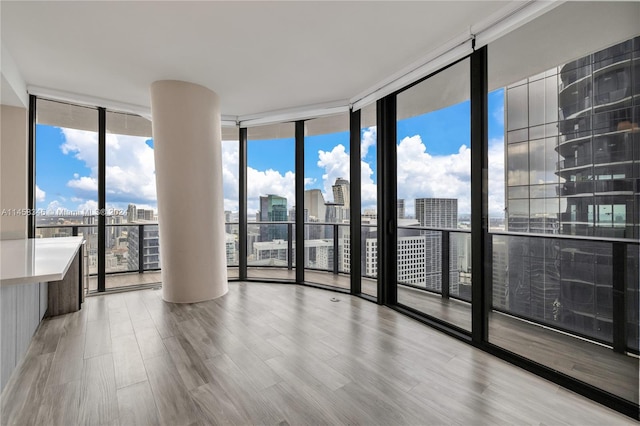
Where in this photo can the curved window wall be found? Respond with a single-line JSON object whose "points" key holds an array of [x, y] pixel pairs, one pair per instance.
{"points": [[556, 246]]}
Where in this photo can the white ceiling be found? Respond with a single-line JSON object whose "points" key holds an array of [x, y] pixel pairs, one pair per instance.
{"points": [[258, 56]]}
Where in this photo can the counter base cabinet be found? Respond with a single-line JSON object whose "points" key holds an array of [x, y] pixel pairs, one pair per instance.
{"points": [[20, 313], [8, 331], [64, 295], [22, 307]]}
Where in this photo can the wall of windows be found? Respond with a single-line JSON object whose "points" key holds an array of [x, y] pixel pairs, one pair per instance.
{"points": [[555, 235]]}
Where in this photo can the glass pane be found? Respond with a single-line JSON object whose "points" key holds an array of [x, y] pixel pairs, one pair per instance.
{"points": [[230, 185], [67, 173], [326, 199], [130, 183], [553, 297], [434, 189], [369, 197], [271, 198]]}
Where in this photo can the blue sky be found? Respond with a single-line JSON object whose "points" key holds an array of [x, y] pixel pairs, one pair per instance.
{"points": [[431, 143]]}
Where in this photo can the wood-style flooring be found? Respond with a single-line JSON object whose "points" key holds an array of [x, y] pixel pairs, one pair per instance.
{"points": [[270, 354]]}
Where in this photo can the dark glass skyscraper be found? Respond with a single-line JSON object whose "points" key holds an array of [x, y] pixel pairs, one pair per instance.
{"points": [[573, 168], [273, 208]]}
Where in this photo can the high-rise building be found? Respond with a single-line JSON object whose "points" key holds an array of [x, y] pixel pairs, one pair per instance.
{"points": [[572, 168], [341, 191], [273, 208], [336, 213], [150, 247], [231, 251], [411, 259], [314, 203], [400, 203], [146, 214], [438, 213], [132, 213]]}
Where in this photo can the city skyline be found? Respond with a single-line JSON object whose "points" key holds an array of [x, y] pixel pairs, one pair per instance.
{"points": [[68, 179]]}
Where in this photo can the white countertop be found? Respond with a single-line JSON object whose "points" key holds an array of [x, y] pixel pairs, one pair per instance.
{"points": [[36, 259]]}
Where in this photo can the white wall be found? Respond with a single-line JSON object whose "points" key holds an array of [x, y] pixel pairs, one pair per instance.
{"points": [[13, 171]]}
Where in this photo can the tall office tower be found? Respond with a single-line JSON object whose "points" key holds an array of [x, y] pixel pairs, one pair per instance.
{"points": [[341, 191], [400, 208], [438, 213], [132, 213], [314, 203], [227, 220], [145, 214], [231, 251], [336, 213], [149, 244], [112, 233], [344, 250], [572, 167], [273, 208], [315, 211]]}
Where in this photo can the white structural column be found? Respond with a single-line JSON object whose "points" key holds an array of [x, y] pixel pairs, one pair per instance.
{"points": [[188, 159]]}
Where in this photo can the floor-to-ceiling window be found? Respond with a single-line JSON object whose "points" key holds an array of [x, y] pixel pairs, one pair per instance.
{"points": [[230, 189], [563, 155], [66, 158], [434, 196], [271, 201], [131, 233], [327, 201]]}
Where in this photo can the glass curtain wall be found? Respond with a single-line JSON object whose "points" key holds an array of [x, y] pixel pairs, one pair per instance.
{"points": [[66, 151], [327, 201], [131, 233], [230, 185], [434, 196], [565, 288], [271, 202]]}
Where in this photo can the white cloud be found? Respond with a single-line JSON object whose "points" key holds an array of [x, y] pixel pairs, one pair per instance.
{"points": [[53, 207], [40, 194], [89, 207], [336, 165], [368, 140], [230, 174], [129, 169], [84, 184], [261, 183], [422, 175]]}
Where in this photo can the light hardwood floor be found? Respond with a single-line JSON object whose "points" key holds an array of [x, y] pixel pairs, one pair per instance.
{"points": [[270, 354], [599, 366]]}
